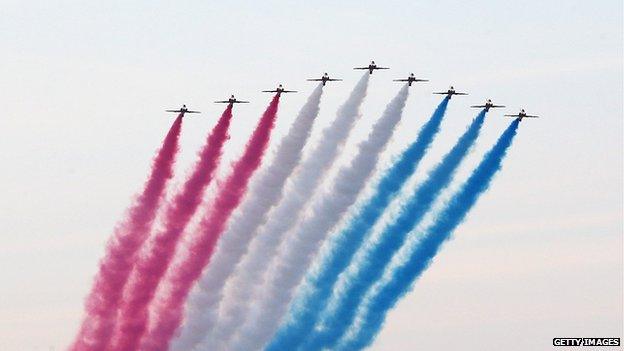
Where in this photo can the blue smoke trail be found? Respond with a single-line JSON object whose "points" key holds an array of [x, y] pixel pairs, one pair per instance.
{"points": [[402, 278], [337, 321], [318, 288]]}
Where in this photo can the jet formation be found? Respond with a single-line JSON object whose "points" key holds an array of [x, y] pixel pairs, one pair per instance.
{"points": [[370, 68]]}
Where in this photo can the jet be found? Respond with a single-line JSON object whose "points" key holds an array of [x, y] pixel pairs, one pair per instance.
{"points": [[231, 100], [449, 93], [373, 66], [411, 79], [280, 89], [521, 115], [182, 111], [325, 78], [488, 105]]}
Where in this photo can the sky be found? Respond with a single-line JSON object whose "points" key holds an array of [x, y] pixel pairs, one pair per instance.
{"points": [[84, 86]]}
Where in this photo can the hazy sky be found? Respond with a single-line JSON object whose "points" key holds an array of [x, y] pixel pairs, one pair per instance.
{"points": [[83, 86]]}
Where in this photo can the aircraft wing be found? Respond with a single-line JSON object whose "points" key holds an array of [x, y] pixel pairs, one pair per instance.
{"points": [[497, 106], [193, 112], [400, 80], [382, 68], [518, 116], [333, 80], [222, 102], [269, 91], [173, 111], [441, 93], [360, 67], [460, 93], [315, 80], [241, 102], [289, 91], [479, 106]]}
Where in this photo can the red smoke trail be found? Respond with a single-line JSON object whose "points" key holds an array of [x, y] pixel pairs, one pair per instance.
{"points": [[115, 267], [169, 307], [151, 267]]}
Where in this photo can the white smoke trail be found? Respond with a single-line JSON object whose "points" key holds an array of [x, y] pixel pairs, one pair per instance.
{"points": [[266, 191], [302, 244], [301, 187]]}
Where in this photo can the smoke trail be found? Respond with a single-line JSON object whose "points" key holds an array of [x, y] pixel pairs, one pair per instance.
{"points": [[319, 285], [103, 300], [370, 268], [179, 211], [301, 187], [401, 279], [301, 247], [266, 190], [169, 307]]}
